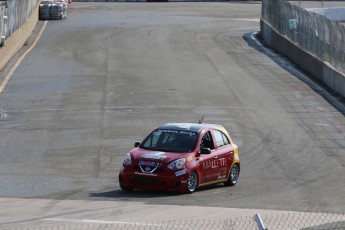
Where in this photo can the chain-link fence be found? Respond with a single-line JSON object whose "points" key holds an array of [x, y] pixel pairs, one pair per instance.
{"points": [[279, 221], [3, 21], [312, 32], [304, 221], [13, 14]]}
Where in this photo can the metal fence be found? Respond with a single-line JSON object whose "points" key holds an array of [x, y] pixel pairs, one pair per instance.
{"points": [[3, 20], [279, 221], [304, 221], [312, 32], [13, 14]]}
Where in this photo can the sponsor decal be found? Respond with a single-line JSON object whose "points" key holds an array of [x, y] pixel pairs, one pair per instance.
{"points": [[147, 163], [236, 157], [188, 133], [223, 171], [180, 173], [221, 177], [155, 156], [214, 163], [183, 181], [122, 168], [159, 132], [190, 158], [148, 166], [145, 174]]}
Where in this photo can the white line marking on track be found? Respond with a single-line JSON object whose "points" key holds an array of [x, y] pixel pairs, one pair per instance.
{"points": [[322, 125], [98, 221], [247, 19]]}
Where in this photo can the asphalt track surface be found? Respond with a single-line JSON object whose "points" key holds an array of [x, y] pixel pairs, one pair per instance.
{"points": [[111, 72]]}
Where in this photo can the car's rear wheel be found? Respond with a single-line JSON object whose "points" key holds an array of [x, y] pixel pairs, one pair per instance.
{"points": [[192, 182], [233, 177]]}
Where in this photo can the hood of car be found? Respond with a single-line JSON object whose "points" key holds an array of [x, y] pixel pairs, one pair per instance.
{"points": [[139, 154]]}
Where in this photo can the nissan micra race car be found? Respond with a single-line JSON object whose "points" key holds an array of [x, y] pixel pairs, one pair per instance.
{"points": [[180, 157]]}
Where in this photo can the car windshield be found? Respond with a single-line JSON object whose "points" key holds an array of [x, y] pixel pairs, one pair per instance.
{"points": [[169, 140]]}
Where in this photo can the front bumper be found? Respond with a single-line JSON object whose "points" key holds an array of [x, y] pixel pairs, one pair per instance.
{"points": [[170, 182]]}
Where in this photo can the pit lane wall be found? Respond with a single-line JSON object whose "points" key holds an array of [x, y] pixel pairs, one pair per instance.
{"points": [[308, 38], [18, 19]]}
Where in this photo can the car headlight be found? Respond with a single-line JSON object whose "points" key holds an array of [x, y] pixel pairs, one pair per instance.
{"points": [[178, 164], [128, 159]]}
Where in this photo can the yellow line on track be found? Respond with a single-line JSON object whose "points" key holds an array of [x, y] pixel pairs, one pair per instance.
{"points": [[15, 66]]}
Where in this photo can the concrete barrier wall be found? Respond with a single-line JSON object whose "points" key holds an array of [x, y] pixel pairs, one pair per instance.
{"points": [[16, 41], [318, 69]]}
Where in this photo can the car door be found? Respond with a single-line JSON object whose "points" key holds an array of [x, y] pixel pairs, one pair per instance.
{"points": [[223, 155], [207, 163]]}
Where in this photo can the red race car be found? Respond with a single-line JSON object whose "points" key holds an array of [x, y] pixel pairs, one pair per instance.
{"points": [[180, 157]]}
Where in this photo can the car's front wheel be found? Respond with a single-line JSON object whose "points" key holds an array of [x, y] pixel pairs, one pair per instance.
{"points": [[192, 182], [233, 177]]}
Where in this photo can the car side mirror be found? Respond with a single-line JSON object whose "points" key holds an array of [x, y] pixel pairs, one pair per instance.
{"points": [[205, 151], [136, 144]]}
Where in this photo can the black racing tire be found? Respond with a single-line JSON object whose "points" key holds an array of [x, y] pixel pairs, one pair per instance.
{"points": [[192, 182], [233, 177]]}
